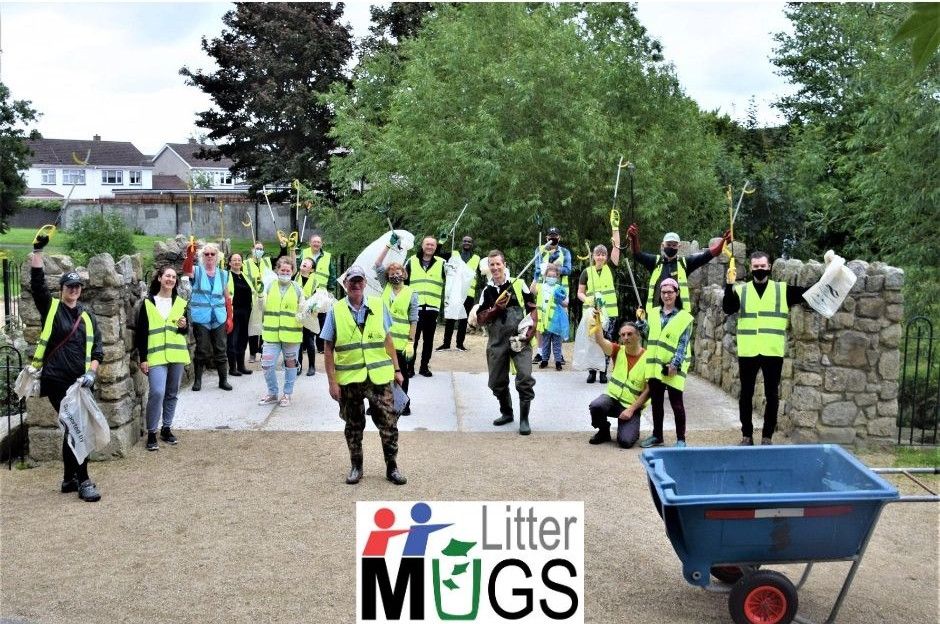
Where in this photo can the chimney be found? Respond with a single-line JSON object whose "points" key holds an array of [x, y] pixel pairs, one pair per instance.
{"points": [[97, 137]]}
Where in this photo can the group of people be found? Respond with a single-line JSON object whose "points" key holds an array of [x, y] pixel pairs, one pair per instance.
{"points": [[371, 343]]}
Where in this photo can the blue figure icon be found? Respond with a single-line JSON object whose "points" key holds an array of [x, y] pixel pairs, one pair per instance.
{"points": [[417, 541]]}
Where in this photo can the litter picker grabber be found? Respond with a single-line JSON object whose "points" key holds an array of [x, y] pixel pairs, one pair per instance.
{"points": [[251, 228], [732, 216], [50, 228], [615, 225]]}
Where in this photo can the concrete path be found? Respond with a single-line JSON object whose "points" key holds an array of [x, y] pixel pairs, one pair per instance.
{"points": [[448, 401]]}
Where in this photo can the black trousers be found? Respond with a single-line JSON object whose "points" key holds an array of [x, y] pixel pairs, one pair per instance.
{"points": [[657, 390], [748, 367], [237, 341], [427, 324], [55, 391], [309, 344], [322, 318], [211, 346], [254, 345], [461, 326]]}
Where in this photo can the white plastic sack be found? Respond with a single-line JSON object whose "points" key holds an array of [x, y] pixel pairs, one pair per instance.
{"points": [[86, 426], [827, 295], [27, 382], [307, 315], [256, 318], [370, 254], [587, 353], [459, 279]]}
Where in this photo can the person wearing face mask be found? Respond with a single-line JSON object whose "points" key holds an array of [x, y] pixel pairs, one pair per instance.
{"points": [[552, 299], [552, 252], [764, 307], [361, 363], [426, 277], [472, 260], [668, 264], [243, 295], [325, 271], [596, 289], [402, 304], [627, 391], [505, 303], [207, 305], [307, 281], [282, 333], [254, 268]]}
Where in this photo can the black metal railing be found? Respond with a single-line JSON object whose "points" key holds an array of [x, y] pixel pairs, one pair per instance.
{"points": [[11, 293], [919, 392], [11, 363]]}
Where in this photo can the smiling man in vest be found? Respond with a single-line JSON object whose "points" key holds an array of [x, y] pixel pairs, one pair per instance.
{"points": [[472, 260], [426, 277], [668, 264], [361, 363], [764, 308]]}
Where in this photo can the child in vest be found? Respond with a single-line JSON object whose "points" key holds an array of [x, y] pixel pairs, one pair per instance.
{"points": [[553, 315]]}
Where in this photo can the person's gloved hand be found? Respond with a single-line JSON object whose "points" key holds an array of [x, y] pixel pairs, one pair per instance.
{"points": [[732, 275], [594, 322], [393, 240], [560, 295], [190, 260], [589, 301], [516, 343], [633, 233], [41, 241], [716, 247], [88, 379], [410, 350]]}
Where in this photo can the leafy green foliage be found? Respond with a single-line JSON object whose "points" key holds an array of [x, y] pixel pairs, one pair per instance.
{"points": [[14, 153], [49, 205], [99, 233], [923, 27], [274, 60]]}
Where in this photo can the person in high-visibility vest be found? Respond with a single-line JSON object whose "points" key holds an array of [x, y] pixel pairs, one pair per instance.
{"points": [[241, 289], [307, 280], [426, 277], [254, 267], [324, 266], [505, 303], [552, 300], [472, 260], [764, 308], [596, 289], [402, 304], [282, 333], [668, 264], [552, 252], [160, 337], [69, 349], [670, 329], [361, 364], [208, 313], [627, 391]]}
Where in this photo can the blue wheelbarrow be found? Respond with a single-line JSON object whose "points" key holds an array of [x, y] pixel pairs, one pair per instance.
{"points": [[731, 510]]}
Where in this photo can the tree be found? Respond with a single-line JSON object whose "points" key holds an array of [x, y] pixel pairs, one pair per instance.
{"points": [[274, 60], [14, 152]]}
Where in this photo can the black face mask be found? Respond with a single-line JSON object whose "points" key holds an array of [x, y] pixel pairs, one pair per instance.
{"points": [[760, 275], [670, 252], [553, 241]]}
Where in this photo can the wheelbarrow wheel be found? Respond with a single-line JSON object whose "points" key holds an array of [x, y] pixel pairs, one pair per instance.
{"points": [[764, 597]]}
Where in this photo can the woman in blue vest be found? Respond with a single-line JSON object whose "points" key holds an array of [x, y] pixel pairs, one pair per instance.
{"points": [[207, 307], [69, 348], [160, 337]]}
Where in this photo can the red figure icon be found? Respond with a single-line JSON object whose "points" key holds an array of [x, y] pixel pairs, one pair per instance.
{"points": [[378, 540]]}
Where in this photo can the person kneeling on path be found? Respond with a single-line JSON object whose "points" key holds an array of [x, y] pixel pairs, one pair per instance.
{"points": [[360, 362], [160, 337], [69, 348], [281, 333], [207, 304], [627, 391], [667, 363], [505, 304]]}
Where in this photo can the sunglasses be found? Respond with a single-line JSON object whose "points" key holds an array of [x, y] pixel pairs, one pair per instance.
{"points": [[356, 279], [209, 253]]}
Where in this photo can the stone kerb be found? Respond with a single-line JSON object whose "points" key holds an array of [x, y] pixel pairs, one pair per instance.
{"points": [[840, 375], [112, 293]]}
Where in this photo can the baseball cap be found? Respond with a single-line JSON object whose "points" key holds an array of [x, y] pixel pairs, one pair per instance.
{"points": [[70, 278], [671, 237], [354, 271], [553, 230]]}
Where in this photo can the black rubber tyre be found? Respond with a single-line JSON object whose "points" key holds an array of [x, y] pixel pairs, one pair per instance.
{"points": [[764, 597]]}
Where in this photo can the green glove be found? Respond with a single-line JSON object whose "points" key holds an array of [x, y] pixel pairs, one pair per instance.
{"points": [[393, 240]]}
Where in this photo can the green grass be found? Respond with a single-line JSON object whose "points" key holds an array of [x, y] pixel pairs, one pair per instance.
{"points": [[912, 457]]}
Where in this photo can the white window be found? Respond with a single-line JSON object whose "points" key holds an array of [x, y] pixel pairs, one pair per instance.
{"points": [[73, 176], [48, 176], [222, 178], [135, 177], [112, 176]]}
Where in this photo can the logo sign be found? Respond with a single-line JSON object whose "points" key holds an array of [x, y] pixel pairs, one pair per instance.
{"points": [[492, 561]]}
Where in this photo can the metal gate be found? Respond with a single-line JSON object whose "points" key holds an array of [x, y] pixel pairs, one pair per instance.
{"points": [[13, 443], [11, 294], [919, 392]]}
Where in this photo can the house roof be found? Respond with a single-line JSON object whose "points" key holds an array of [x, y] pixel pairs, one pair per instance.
{"points": [[188, 151], [168, 183], [99, 153], [42, 193]]}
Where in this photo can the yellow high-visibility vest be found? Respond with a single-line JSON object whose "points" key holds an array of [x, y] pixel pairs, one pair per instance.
{"points": [[428, 284], [253, 270], [762, 321], [165, 345], [360, 354], [603, 284], [680, 277], [626, 385], [401, 324], [280, 322], [309, 287], [46, 334], [662, 345], [474, 264], [321, 267]]}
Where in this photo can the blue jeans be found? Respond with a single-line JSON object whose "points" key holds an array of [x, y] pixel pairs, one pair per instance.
{"points": [[270, 352], [551, 342], [164, 386]]}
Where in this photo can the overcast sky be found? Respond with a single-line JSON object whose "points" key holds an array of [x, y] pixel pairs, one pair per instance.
{"points": [[112, 69]]}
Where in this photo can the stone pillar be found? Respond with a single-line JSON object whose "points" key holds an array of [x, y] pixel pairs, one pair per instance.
{"points": [[112, 293]]}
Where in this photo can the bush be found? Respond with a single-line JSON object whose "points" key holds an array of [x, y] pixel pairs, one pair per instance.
{"points": [[99, 233]]}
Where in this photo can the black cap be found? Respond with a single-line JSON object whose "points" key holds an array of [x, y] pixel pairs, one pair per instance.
{"points": [[70, 278], [553, 230]]}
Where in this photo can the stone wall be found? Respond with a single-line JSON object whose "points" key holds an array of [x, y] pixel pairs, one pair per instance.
{"points": [[840, 375], [113, 293]]}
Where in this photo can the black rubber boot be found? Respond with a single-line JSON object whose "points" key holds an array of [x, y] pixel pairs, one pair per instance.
{"points": [[223, 377], [505, 408], [524, 418], [355, 473], [592, 376], [232, 368], [393, 474], [197, 377], [241, 366]]}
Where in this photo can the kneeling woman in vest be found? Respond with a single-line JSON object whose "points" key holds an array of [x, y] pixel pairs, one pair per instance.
{"points": [[160, 338], [667, 360], [281, 332], [627, 391]]}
